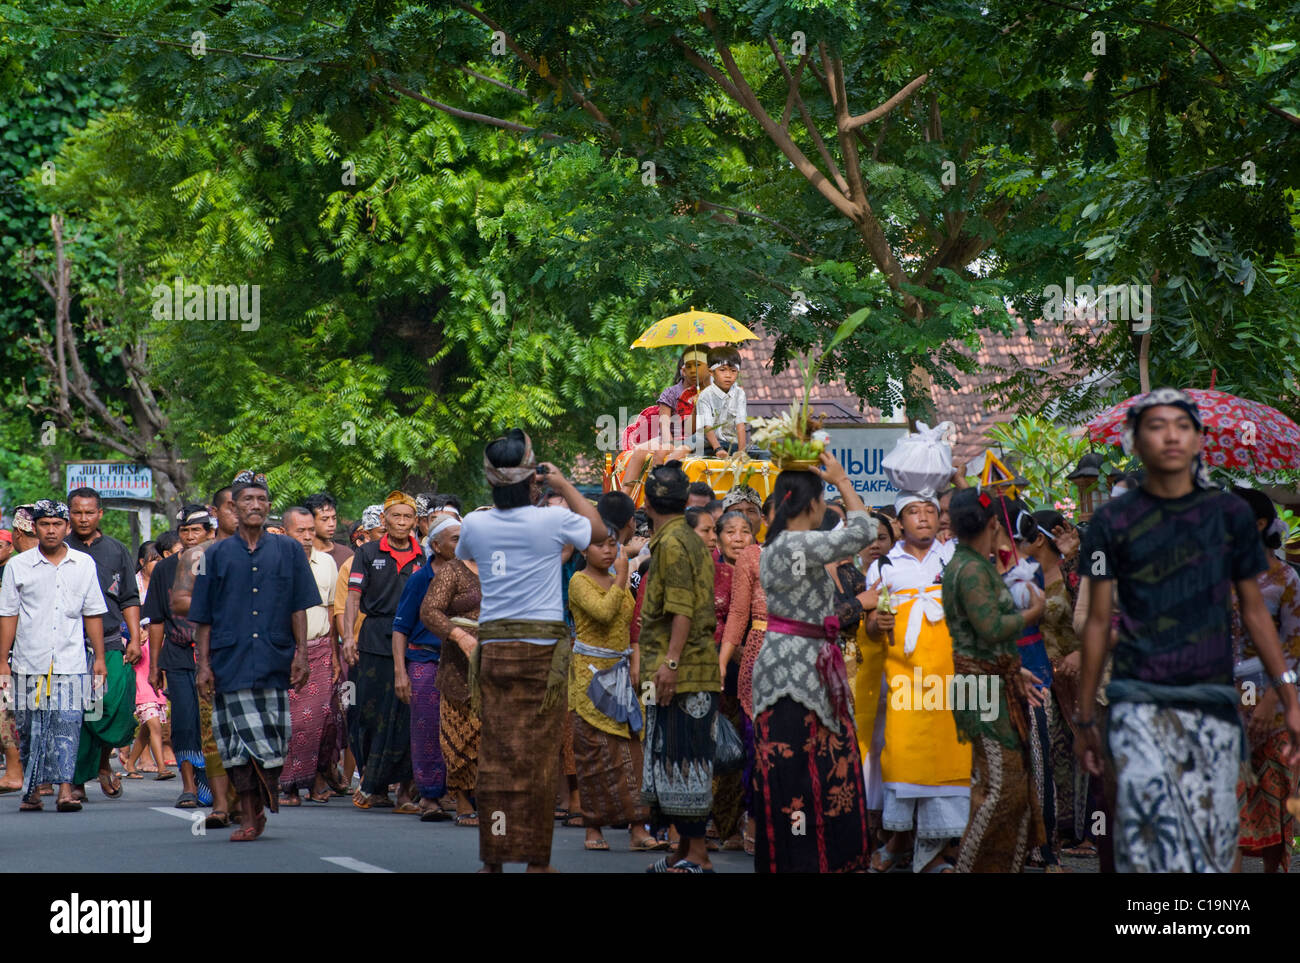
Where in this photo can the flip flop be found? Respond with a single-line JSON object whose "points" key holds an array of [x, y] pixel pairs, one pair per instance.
{"points": [[312, 797], [114, 782], [360, 800], [383, 802], [407, 809], [134, 775], [435, 815], [648, 845], [165, 775], [187, 800], [574, 822], [466, 819], [595, 845], [217, 820], [68, 806], [9, 789], [28, 806], [246, 834]]}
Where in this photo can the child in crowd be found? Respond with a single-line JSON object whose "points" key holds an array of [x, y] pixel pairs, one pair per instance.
{"points": [[675, 417], [720, 408]]}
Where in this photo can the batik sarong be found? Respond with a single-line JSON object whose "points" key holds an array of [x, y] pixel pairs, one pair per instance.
{"points": [[187, 729], [1265, 820], [609, 776], [677, 771], [48, 712], [810, 810], [381, 726], [519, 752], [427, 765], [458, 729], [110, 726], [1005, 821], [729, 787], [1176, 805], [8, 731], [252, 728], [310, 711]]}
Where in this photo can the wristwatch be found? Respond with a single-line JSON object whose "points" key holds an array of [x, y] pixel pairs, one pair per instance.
{"points": [[1288, 677], [672, 664]]}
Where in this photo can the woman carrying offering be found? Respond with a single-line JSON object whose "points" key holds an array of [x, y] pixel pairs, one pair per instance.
{"points": [[606, 736], [808, 772]]}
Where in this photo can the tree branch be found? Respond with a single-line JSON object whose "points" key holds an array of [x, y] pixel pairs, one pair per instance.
{"points": [[815, 134], [469, 115], [877, 112]]}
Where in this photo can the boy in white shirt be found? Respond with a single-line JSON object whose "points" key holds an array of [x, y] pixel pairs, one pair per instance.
{"points": [[720, 408]]}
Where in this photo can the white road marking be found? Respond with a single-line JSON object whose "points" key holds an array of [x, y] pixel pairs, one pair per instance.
{"points": [[185, 814], [347, 862]]}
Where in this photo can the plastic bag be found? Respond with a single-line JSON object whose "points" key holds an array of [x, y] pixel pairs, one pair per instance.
{"points": [[921, 460], [1019, 579], [729, 754]]}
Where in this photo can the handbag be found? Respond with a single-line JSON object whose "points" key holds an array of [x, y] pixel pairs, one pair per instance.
{"points": [[729, 751]]}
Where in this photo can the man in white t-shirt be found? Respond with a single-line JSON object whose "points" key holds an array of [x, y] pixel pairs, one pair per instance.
{"points": [[518, 670]]}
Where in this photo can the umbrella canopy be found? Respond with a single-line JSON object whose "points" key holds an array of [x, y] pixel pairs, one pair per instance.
{"points": [[693, 327], [1240, 435]]}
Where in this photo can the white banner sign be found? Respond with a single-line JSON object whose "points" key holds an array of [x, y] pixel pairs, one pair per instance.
{"points": [[861, 451], [112, 479]]}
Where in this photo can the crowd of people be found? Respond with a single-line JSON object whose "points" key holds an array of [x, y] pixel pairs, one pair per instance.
{"points": [[953, 683]]}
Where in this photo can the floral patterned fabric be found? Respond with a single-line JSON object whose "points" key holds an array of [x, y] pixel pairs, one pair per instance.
{"points": [[810, 813]]}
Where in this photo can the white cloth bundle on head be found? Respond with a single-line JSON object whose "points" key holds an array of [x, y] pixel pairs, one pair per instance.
{"points": [[921, 460]]}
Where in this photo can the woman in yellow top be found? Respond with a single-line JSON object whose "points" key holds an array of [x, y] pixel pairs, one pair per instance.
{"points": [[606, 732]]}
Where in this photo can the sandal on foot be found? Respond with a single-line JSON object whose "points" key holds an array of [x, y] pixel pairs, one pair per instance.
{"points": [[381, 802], [408, 809], [68, 806], [360, 800], [322, 798], [575, 821], [890, 862], [113, 782], [648, 845], [132, 774], [466, 819], [187, 800], [595, 845], [246, 834], [165, 775], [290, 799], [31, 804], [217, 820], [434, 815], [686, 866]]}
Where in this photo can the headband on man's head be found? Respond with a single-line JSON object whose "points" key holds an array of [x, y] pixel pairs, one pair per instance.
{"points": [[248, 479], [903, 499], [399, 498], [193, 515], [49, 508], [439, 525], [1176, 399], [728, 362], [501, 477], [23, 521], [372, 517]]}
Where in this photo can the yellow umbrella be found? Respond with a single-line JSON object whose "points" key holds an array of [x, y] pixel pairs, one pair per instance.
{"points": [[693, 327]]}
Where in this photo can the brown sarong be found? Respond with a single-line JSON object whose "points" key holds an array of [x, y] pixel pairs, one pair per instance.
{"points": [[1005, 818], [609, 776], [459, 735], [519, 752]]}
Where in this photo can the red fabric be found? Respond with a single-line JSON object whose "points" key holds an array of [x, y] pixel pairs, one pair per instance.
{"points": [[401, 558]]}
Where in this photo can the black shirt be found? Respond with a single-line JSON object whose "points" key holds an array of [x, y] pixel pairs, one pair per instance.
{"points": [[178, 633], [116, 581], [376, 573], [1176, 560]]}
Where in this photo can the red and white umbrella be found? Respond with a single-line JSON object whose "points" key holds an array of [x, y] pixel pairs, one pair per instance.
{"points": [[1240, 435]]}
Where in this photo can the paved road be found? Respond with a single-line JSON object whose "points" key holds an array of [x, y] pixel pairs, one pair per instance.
{"points": [[141, 832]]}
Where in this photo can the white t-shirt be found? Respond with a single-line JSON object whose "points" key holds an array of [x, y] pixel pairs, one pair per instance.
{"points": [[517, 551], [720, 410]]}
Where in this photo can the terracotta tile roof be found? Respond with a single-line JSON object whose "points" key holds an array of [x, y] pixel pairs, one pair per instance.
{"points": [[969, 407]]}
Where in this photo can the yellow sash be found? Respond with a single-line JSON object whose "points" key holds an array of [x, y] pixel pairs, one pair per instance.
{"points": [[920, 736]]}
